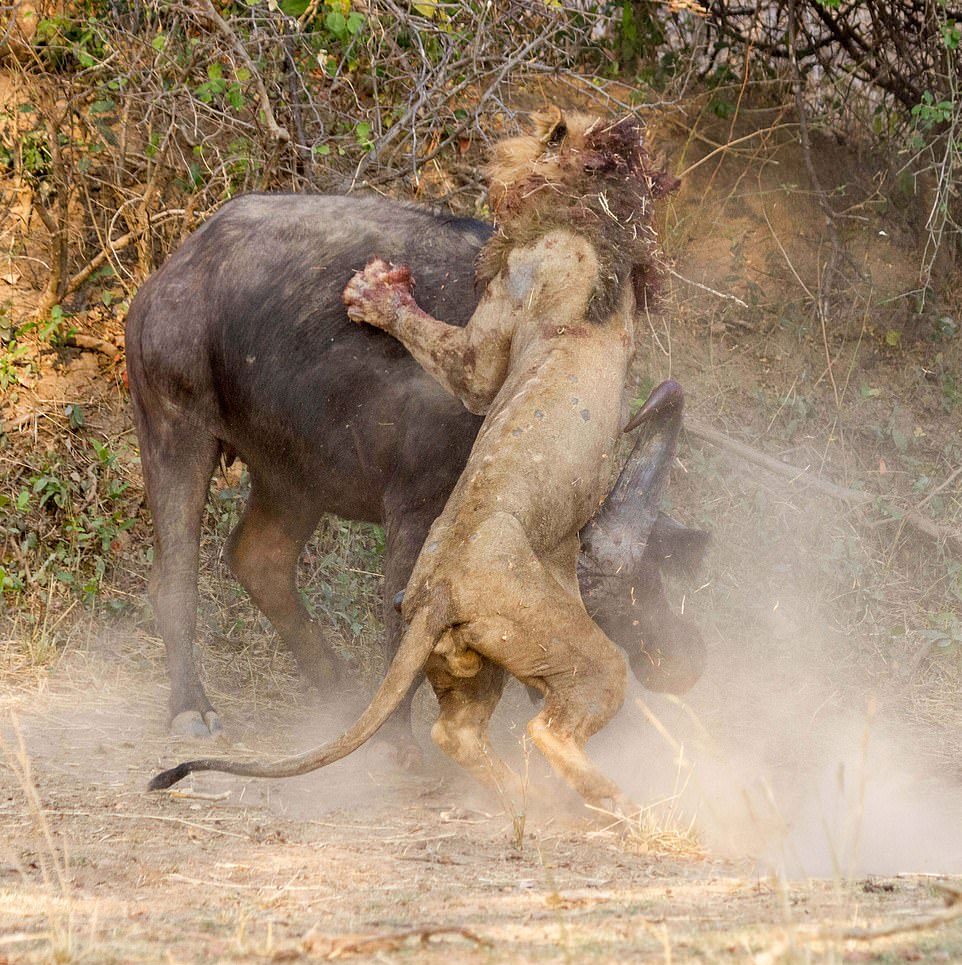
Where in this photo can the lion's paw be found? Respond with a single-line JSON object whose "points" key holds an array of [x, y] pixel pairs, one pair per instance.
{"points": [[375, 294]]}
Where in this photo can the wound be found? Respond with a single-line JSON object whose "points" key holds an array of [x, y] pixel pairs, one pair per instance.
{"points": [[574, 331]]}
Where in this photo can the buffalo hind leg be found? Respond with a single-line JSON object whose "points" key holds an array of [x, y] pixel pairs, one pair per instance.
{"points": [[404, 533], [178, 461], [262, 552]]}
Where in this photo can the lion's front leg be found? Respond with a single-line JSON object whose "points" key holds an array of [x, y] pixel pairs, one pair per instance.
{"points": [[470, 362]]}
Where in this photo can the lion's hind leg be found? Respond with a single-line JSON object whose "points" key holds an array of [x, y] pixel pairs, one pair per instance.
{"points": [[566, 755], [461, 730], [584, 683], [551, 644], [524, 614]]}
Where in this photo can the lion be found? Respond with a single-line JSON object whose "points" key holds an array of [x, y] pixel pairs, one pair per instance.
{"points": [[545, 359]]}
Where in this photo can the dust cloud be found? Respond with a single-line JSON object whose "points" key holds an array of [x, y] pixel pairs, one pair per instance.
{"points": [[100, 721], [783, 755]]}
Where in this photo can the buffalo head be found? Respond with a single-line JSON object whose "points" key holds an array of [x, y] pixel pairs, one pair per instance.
{"points": [[629, 545]]}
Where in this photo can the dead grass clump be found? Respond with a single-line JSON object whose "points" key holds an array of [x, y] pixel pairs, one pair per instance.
{"points": [[61, 937]]}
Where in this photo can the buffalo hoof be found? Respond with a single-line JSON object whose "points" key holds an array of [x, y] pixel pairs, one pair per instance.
{"points": [[402, 749], [191, 723], [321, 670]]}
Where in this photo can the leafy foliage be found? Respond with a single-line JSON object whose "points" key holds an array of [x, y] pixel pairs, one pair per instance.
{"points": [[65, 527]]}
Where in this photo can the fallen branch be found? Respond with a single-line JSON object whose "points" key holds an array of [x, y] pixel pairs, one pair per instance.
{"points": [[942, 485], [705, 288], [90, 343], [17, 423], [953, 899], [854, 497], [175, 792], [330, 947]]}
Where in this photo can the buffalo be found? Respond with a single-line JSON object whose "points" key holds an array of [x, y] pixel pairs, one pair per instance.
{"points": [[240, 347]]}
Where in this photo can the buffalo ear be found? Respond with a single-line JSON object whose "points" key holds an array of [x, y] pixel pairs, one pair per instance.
{"points": [[549, 126], [676, 548]]}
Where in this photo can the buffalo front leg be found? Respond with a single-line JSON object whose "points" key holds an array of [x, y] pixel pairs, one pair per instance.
{"points": [[262, 552], [178, 462]]}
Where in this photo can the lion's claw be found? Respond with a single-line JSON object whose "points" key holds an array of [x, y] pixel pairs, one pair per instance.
{"points": [[375, 293]]}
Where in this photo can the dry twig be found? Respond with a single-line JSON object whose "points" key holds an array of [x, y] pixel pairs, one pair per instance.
{"points": [[280, 134], [331, 947], [854, 497]]}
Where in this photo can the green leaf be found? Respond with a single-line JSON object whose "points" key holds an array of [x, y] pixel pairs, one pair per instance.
{"points": [[159, 42], [75, 416], [336, 23], [235, 96], [215, 71]]}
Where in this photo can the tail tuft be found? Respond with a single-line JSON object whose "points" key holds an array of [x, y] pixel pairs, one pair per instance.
{"points": [[169, 777]]}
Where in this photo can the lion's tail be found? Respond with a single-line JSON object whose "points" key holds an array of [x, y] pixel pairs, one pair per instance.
{"points": [[426, 629]]}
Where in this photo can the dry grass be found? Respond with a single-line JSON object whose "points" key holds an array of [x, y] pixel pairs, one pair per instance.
{"points": [[61, 940]]}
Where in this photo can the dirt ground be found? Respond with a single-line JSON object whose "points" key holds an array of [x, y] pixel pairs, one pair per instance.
{"points": [[809, 787], [362, 862]]}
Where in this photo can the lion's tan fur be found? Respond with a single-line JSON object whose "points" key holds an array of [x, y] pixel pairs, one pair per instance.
{"points": [[515, 158], [545, 356]]}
